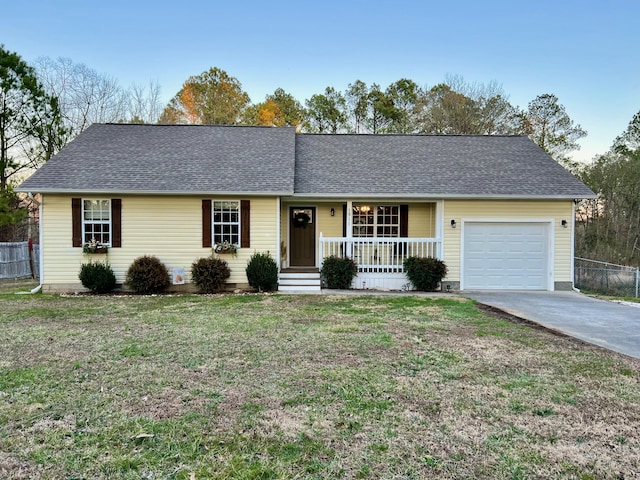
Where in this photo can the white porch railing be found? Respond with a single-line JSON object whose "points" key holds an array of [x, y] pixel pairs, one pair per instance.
{"points": [[382, 255]]}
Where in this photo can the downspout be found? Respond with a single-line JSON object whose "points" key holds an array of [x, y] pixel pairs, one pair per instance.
{"points": [[573, 247], [278, 235]]}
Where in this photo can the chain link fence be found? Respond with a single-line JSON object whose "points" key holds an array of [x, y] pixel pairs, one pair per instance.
{"points": [[606, 278]]}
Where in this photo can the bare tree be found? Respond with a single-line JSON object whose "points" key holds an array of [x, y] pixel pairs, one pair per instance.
{"points": [[144, 103], [87, 96]]}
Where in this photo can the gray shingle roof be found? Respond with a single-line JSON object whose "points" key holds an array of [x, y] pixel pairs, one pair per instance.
{"points": [[171, 159], [443, 166], [200, 159]]}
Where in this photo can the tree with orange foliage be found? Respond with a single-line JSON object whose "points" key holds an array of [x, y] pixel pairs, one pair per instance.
{"points": [[211, 98], [280, 109]]}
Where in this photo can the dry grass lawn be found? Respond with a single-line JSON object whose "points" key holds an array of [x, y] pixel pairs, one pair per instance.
{"points": [[317, 387]]}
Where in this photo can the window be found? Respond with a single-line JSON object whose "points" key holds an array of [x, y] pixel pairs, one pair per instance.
{"points": [[226, 221], [96, 221], [376, 220]]}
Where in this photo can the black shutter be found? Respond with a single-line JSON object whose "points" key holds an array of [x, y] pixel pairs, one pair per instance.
{"points": [[206, 223], [116, 222], [245, 223], [344, 220], [76, 222]]}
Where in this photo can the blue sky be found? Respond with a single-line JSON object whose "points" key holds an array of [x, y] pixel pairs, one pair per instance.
{"points": [[585, 52]]}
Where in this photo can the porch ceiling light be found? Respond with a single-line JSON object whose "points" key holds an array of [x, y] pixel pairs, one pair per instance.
{"points": [[453, 223], [364, 208]]}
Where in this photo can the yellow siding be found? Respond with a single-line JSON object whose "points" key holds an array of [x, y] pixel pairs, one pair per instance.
{"points": [[167, 227], [422, 220], [328, 225], [553, 210]]}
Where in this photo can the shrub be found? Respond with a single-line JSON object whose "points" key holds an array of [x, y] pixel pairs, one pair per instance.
{"points": [[148, 275], [338, 272], [97, 277], [425, 273], [210, 274], [262, 272]]}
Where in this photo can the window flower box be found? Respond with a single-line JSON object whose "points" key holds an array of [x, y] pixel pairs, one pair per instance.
{"points": [[94, 247], [225, 247]]}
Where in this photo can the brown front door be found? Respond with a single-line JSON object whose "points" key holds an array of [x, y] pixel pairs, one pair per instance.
{"points": [[302, 236]]}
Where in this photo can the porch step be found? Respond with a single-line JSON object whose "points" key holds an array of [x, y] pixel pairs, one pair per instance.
{"points": [[299, 282]]}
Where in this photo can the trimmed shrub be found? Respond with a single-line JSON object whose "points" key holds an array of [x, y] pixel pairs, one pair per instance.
{"points": [[210, 274], [425, 273], [262, 272], [97, 277], [338, 272], [148, 275]]}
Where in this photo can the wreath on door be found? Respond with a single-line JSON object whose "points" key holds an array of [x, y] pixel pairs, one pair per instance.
{"points": [[301, 219]]}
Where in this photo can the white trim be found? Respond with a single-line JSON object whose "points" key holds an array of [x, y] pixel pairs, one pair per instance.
{"points": [[278, 233], [417, 197], [83, 221], [41, 240], [573, 243], [173, 193], [239, 222], [550, 242], [440, 226]]}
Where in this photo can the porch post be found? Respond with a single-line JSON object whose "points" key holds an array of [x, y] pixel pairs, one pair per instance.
{"points": [[349, 243], [440, 229], [278, 230]]}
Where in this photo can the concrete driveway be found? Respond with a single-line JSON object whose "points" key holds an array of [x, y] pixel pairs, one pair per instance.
{"points": [[608, 324]]}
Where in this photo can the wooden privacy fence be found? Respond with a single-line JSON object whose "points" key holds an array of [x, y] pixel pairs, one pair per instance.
{"points": [[15, 261]]}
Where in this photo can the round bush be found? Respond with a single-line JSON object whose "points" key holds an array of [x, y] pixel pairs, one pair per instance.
{"points": [[148, 275], [338, 272], [210, 274], [425, 273], [262, 272], [97, 277]]}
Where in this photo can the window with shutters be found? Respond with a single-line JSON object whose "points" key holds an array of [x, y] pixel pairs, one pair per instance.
{"points": [[96, 221], [376, 220], [226, 221]]}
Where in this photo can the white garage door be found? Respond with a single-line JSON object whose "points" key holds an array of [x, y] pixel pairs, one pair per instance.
{"points": [[506, 256]]}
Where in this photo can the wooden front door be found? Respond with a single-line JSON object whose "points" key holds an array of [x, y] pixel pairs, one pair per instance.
{"points": [[302, 236]]}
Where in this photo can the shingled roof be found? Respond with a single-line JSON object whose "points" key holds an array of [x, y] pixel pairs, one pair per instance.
{"points": [[207, 159], [165, 159], [436, 166]]}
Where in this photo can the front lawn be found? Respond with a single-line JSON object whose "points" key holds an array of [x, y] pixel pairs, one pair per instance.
{"points": [[323, 387]]}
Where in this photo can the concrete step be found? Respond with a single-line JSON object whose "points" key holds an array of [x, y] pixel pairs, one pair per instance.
{"points": [[299, 288], [299, 281], [302, 282]]}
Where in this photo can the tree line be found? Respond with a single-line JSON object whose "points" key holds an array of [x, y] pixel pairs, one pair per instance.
{"points": [[44, 106], [453, 107]]}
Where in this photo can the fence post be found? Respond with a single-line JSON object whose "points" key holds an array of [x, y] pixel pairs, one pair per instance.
{"points": [[637, 280]]}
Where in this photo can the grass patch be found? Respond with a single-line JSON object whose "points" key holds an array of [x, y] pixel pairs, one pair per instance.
{"points": [[267, 386]]}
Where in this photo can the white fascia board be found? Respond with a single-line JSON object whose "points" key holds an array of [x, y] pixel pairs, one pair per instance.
{"points": [[153, 192]]}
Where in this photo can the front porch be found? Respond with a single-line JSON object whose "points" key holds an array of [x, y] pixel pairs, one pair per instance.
{"points": [[378, 237], [380, 261]]}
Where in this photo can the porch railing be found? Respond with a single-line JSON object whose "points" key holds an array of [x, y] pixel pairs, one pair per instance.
{"points": [[384, 255]]}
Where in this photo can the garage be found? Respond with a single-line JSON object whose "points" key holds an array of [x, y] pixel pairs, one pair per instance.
{"points": [[506, 255]]}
